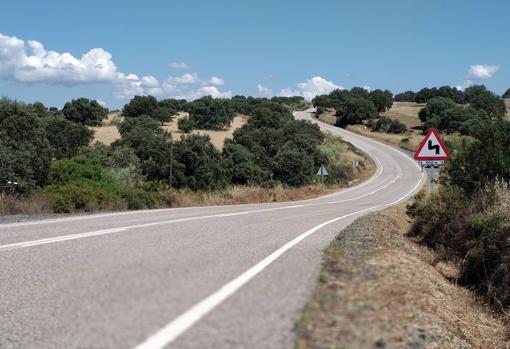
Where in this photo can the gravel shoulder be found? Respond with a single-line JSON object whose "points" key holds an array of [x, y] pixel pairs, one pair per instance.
{"points": [[378, 289]]}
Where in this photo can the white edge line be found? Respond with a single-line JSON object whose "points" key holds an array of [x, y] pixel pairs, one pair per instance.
{"points": [[61, 238], [186, 320], [102, 215]]}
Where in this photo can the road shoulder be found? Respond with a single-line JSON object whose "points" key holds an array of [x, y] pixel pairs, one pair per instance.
{"points": [[379, 289]]}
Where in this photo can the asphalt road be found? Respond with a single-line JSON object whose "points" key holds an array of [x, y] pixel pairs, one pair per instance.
{"points": [[208, 277]]}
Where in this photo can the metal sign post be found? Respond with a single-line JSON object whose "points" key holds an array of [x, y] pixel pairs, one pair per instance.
{"points": [[322, 172]]}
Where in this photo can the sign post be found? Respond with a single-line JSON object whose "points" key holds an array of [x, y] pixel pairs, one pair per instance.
{"points": [[322, 172], [432, 152]]}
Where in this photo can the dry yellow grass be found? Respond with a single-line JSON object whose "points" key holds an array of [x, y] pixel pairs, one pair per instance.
{"points": [[406, 112], [217, 137], [328, 116], [379, 290], [413, 138], [107, 133]]}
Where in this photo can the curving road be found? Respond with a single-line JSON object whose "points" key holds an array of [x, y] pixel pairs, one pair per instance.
{"points": [[208, 277]]}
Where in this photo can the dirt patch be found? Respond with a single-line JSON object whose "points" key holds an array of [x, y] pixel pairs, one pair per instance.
{"points": [[507, 103], [379, 290], [107, 133], [328, 117]]}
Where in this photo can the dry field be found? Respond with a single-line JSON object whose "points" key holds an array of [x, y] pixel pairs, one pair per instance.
{"points": [[378, 289], [406, 112], [507, 103], [107, 133], [409, 140]]}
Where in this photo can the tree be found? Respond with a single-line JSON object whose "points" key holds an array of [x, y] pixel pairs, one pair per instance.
{"points": [[354, 110], [144, 122], [359, 92], [84, 111], [66, 137], [25, 153], [293, 166], [150, 143], [176, 105], [140, 105], [241, 165], [490, 103], [473, 91], [408, 96], [506, 94], [383, 100], [435, 109], [185, 125], [163, 114], [211, 113], [198, 165]]}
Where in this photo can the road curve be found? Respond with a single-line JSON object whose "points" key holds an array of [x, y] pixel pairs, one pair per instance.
{"points": [[208, 277]]}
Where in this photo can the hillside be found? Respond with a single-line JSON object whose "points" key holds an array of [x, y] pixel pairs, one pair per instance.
{"points": [[107, 133]]}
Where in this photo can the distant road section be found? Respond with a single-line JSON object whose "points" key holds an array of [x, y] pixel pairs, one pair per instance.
{"points": [[206, 277]]}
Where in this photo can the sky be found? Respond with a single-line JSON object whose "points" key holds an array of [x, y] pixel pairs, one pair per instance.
{"points": [[54, 51]]}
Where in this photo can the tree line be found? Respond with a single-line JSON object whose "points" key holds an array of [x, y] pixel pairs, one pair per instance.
{"points": [[49, 150]]}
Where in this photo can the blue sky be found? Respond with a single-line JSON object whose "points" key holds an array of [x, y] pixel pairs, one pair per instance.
{"points": [[247, 47]]}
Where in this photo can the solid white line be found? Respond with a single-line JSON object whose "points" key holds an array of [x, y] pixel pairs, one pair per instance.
{"points": [[62, 238], [186, 320]]}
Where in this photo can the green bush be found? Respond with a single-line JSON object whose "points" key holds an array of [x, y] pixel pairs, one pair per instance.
{"points": [[185, 125]]}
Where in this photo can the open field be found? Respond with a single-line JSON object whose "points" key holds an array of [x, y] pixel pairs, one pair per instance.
{"points": [[378, 289], [108, 133], [409, 140], [406, 112]]}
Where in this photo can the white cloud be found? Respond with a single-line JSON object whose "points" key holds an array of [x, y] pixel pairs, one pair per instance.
{"points": [[184, 79], [264, 91], [310, 88], [30, 62], [216, 81], [482, 71], [207, 91], [464, 85], [178, 65]]}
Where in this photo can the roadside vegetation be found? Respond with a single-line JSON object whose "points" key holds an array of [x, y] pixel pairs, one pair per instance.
{"points": [[378, 289], [466, 222], [50, 164]]}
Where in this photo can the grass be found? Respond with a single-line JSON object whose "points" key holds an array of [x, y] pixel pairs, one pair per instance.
{"points": [[107, 133], [409, 140], [342, 154], [217, 137], [406, 112], [378, 289]]}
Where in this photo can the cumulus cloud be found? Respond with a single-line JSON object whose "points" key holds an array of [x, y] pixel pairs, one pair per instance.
{"points": [[310, 88], [482, 71], [31, 62], [264, 91], [178, 65], [216, 81]]}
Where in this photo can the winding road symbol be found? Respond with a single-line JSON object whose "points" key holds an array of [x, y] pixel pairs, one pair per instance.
{"points": [[431, 148], [435, 147]]}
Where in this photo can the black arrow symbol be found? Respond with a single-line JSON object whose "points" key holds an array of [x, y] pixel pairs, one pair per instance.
{"points": [[436, 147]]}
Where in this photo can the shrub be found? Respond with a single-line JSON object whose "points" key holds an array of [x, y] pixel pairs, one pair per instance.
{"points": [[185, 125], [84, 111]]}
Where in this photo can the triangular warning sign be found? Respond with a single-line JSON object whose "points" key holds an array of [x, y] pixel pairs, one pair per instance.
{"points": [[431, 148]]}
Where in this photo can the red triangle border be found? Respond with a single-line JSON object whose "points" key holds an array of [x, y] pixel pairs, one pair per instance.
{"points": [[422, 144]]}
